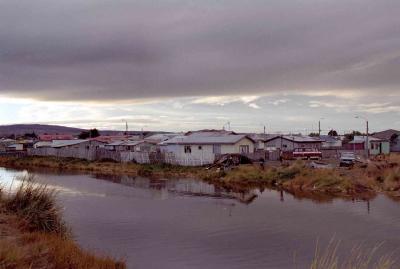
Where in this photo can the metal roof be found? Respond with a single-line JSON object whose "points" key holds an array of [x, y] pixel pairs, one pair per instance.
{"points": [[126, 143], [387, 135], [205, 140], [66, 143], [297, 138], [362, 139]]}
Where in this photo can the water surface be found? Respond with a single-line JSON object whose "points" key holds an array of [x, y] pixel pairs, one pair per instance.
{"points": [[190, 224]]}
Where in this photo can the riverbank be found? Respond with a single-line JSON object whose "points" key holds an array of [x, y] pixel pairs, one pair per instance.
{"points": [[101, 167], [364, 181], [33, 234]]}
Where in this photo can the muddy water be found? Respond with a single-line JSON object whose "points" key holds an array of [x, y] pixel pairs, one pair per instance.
{"points": [[188, 224]]}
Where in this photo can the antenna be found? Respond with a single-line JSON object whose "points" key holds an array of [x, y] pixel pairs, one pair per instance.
{"points": [[227, 124]]}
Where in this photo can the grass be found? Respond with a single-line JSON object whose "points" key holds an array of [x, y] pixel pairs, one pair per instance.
{"points": [[35, 204], [356, 259], [33, 234]]}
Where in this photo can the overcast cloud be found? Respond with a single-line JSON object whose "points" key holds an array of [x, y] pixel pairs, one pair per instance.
{"points": [[336, 57], [98, 49]]}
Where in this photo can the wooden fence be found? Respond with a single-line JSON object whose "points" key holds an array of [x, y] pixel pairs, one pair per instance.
{"points": [[79, 153]]}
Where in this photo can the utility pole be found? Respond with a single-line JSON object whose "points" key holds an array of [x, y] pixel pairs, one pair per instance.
{"points": [[126, 126], [319, 126]]}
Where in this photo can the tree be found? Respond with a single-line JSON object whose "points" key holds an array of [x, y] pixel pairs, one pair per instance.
{"points": [[30, 135], [89, 134], [350, 136], [332, 133]]}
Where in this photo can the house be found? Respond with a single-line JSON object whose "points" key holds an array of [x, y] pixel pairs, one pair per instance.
{"points": [[291, 142], [51, 137], [77, 144], [133, 146], [114, 138], [4, 143], [393, 136], [15, 147], [330, 142], [260, 139], [158, 138], [194, 149], [376, 146]]}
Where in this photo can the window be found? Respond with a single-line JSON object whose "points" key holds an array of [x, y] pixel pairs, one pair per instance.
{"points": [[244, 149], [188, 149], [284, 146], [200, 148]]}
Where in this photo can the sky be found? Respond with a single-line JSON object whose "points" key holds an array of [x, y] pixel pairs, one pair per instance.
{"points": [[182, 65]]}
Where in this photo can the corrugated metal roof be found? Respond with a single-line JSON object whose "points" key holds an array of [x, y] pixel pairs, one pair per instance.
{"points": [[205, 140], [66, 143], [116, 143], [297, 138], [43, 144], [126, 143]]}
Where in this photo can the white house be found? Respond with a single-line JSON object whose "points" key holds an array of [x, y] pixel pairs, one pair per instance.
{"points": [[194, 150]]}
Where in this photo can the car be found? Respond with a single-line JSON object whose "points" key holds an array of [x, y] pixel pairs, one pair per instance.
{"points": [[347, 159]]}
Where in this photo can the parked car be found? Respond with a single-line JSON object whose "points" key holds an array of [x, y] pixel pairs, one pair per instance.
{"points": [[347, 159], [307, 153]]}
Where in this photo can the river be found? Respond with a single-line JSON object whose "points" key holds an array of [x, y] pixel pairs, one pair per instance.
{"points": [[189, 224]]}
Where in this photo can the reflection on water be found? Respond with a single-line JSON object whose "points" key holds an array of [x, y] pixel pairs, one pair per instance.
{"points": [[190, 224]]}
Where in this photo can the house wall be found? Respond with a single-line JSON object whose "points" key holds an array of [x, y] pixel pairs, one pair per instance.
{"points": [[395, 145], [85, 150], [286, 145], [354, 146], [145, 147], [227, 149], [380, 147], [198, 156]]}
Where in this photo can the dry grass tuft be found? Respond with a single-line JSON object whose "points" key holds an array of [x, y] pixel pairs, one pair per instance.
{"points": [[33, 234], [36, 205], [357, 259]]}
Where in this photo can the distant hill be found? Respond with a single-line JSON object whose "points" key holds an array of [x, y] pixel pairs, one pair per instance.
{"points": [[20, 129]]}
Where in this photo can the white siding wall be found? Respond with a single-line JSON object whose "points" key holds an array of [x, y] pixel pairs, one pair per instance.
{"points": [[226, 149], [197, 156], [201, 154]]}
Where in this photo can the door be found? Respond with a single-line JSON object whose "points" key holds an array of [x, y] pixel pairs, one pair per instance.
{"points": [[217, 149]]}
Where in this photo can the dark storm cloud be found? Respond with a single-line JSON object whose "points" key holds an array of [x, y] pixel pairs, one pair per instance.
{"points": [[98, 49]]}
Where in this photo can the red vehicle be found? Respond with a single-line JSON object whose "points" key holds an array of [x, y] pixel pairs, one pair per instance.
{"points": [[307, 153]]}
